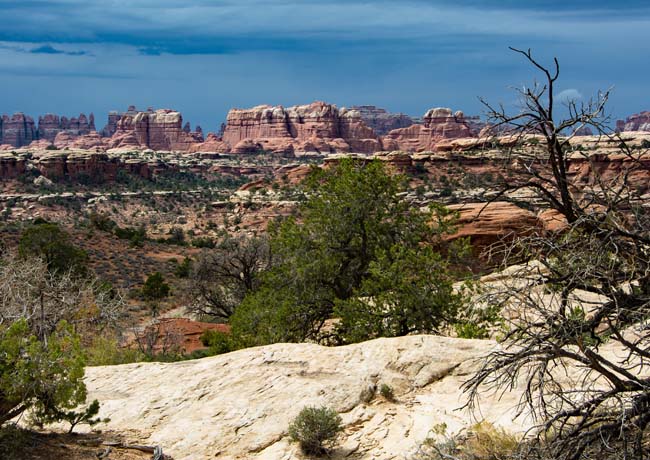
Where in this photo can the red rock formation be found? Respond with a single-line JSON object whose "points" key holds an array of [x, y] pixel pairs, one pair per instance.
{"points": [[159, 130], [11, 166], [212, 143], [111, 126], [91, 166], [636, 122], [17, 130], [88, 141], [488, 223], [50, 125], [319, 127], [438, 125], [382, 121]]}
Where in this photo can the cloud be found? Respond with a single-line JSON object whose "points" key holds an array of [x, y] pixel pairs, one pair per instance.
{"points": [[569, 95], [49, 49]]}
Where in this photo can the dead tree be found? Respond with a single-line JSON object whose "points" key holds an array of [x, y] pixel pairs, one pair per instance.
{"points": [[578, 337], [222, 276]]}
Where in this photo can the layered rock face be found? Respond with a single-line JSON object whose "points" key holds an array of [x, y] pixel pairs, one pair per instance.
{"points": [[111, 125], [636, 122], [317, 127], [382, 121], [158, 130], [438, 125], [11, 166], [90, 166], [17, 130], [50, 125]]}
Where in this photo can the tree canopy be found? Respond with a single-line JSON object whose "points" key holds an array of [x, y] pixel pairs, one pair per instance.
{"points": [[354, 250]]}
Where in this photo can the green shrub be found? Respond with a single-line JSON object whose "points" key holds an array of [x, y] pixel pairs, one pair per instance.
{"points": [[52, 244], [218, 342], [183, 269], [386, 391], [43, 376], [106, 351], [155, 288], [315, 427]]}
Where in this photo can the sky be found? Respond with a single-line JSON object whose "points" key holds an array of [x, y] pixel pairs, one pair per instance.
{"points": [[204, 57]]}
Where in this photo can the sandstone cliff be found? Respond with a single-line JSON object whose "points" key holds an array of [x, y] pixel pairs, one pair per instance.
{"points": [[50, 125], [158, 130], [317, 127], [17, 130], [382, 121], [438, 125]]}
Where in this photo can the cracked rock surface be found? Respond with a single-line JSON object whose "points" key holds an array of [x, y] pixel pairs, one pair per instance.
{"points": [[239, 405]]}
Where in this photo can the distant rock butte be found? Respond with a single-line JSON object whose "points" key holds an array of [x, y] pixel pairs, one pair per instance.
{"points": [[382, 121], [636, 122], [158, 130], [50, 125], [438, 125], [318, 127], [17, 130]]}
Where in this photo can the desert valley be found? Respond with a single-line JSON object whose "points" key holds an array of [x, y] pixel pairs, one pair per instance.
{"points": [[313, 280]]}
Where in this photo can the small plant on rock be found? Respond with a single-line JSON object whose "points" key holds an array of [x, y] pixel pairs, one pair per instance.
{"points": [[314, 428], [387, 392]]}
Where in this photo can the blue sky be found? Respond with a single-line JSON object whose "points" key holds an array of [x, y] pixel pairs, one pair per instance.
{"points": [[203, 57]]}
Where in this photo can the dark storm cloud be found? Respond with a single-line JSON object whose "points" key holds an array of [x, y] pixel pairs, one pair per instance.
{"points": [[49, 49], [204, 56]]}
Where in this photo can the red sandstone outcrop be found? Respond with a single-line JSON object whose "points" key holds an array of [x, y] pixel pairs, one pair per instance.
{"points": [[212, 143], [636, 122], [159, 130], [111, 126], [60, 165], [317, 127], [50, 125], [438, 125], [17, 130], [488, 223], [11, 166], [90, 141], [382, 121]]}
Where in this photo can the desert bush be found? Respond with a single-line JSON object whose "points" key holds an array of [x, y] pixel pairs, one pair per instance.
{"points": [[387, 392], [52, 244], [218, 342], [315, 428], [482, 441], [45, 376], [106, 351], [155, 287]]}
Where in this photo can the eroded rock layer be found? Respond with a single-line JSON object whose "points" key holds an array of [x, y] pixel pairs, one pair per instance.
{"points": [[315, 127], [438, 125], [17, 130]]}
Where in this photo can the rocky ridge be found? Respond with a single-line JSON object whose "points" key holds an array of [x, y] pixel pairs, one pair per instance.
{"points": [[239, 405]]}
